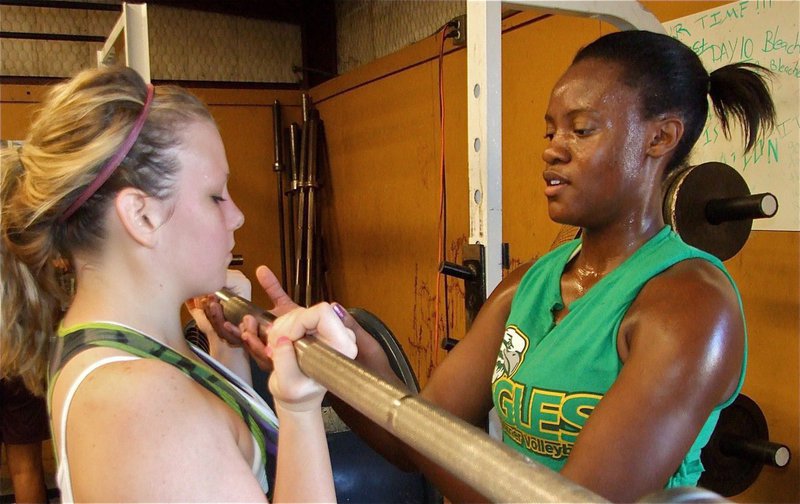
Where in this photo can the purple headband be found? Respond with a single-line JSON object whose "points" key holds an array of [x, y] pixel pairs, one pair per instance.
{"points": [[115, 161]]}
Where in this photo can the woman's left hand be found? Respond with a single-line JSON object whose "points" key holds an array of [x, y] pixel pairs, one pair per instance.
{"points": [[202, 312], [288, 384], [229, 332]]}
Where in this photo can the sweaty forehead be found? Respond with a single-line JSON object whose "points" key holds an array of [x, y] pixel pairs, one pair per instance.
{"points": [[591, 85]]}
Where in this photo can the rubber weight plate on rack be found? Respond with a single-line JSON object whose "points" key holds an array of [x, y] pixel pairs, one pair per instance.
{"points": [[689, 191]]}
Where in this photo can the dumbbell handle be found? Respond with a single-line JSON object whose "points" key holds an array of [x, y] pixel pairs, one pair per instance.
{"points": [[755, 206], [756, 450]]}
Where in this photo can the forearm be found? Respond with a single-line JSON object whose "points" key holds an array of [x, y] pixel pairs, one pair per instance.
{"points": [[234, 358], [304, 470]]}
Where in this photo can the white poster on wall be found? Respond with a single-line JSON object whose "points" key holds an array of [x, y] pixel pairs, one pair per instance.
{"points": [[764, 32]]}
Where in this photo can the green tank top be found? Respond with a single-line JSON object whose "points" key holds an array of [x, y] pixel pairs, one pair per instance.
{"points": [[548, 378]]}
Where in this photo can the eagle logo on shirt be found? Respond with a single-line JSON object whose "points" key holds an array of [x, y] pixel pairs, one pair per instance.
{"points": [[512, 353]]}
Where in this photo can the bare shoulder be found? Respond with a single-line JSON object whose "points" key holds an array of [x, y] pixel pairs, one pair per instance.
{"points": [[178, 431], [693, 286], [128, 397], [505, 290], [129, 385], [691, 313], [141, 385], [682, 347]]}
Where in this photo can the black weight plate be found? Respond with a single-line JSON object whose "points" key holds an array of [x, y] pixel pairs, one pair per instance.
{"points": [[685, 202], [730, 475], [384, 336]]}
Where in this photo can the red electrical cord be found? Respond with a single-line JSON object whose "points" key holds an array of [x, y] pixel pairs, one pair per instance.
{"points": [[442, 228]]}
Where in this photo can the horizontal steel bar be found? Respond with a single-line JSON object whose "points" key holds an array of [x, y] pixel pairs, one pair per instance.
{"points": [[63, 5], [63, 37]]}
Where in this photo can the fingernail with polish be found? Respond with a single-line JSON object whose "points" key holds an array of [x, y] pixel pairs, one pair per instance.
{"points": [[283, 340], [340, 311]]}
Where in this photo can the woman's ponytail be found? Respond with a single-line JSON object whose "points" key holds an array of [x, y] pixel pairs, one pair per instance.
{"points": [[740, 91], [30, 297]]}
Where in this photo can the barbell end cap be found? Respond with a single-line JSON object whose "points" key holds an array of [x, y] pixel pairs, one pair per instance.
{"points": [[769, 205], [782, 456]]}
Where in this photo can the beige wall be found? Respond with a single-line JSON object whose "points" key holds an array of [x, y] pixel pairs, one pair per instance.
{"points": [[370, 29], [184, 44]]}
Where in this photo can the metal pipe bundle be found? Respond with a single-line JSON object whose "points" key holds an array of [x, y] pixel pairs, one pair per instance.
{"points": [[310, 217], [301, 223], [291, 195], [306, 281], [277, 167]]}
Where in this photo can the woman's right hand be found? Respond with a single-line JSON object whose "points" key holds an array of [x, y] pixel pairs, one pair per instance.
{"points": [[289, 386]]}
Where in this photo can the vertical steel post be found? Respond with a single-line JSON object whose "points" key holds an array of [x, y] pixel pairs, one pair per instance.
{"points": [[485, 102]]}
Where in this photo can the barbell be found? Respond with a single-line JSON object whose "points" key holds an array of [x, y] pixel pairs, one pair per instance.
{"points": [[708, 205], [464, 450]]}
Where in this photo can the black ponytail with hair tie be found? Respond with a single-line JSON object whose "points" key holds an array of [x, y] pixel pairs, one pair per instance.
{"points": [[741, 91]]}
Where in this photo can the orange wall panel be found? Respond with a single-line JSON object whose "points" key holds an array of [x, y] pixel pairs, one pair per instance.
{"points": [[383, 144], [767, 272]]}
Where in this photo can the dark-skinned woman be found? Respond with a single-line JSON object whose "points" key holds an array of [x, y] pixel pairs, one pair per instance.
{"points": [[610, 358]]}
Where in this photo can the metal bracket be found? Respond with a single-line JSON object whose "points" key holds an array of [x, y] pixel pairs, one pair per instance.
{"points": [[130, 38], [475, 287], [472, 272], [457, 30]]}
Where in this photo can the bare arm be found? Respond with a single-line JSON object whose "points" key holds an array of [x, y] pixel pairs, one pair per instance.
{"points": [[304, 471], [682, 356]]}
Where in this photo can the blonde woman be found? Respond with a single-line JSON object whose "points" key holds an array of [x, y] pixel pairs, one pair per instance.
{"points": [[128, 183]]}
